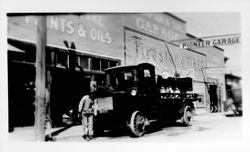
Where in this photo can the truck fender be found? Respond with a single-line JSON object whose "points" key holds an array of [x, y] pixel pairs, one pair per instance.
{"points": [[185, 103]]}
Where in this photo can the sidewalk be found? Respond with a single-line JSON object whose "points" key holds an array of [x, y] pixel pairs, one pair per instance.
{"points": [[28, 133], [22, 134], [201, 111]]}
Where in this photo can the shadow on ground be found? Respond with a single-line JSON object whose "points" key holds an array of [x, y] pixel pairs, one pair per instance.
{"points": [[232, 115], [172, 129], [152, 128], [52, 136]]}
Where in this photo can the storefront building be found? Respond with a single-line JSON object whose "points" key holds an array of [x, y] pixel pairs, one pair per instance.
{"points": [[215, 78], [100, 41], [211, 84]]}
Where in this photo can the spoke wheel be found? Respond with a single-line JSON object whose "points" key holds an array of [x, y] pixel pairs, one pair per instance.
{"points": [[137, 124], [187, 118]]}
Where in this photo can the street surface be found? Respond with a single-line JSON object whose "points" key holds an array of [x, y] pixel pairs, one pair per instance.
{"points": [[212, 127], [223, 132]]}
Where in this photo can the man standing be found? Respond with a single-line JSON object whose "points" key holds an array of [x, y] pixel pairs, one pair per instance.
{"points": [[87, 109]]}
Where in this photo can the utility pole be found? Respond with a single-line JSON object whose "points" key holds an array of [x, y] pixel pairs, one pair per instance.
{"points": [[40, 96]]}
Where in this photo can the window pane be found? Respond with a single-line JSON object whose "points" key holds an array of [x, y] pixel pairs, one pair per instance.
{"points": [[95, 64], [127, 75], [112, 63], [62, 59], [104, 64], [146, 73], [30, 55], [84, 62], [48, 57]]}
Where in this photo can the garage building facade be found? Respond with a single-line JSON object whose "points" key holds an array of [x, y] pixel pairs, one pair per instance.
{"points": [[100, 41]]}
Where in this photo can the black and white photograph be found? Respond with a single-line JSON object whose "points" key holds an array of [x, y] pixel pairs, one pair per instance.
{"points": [[149, 76]]}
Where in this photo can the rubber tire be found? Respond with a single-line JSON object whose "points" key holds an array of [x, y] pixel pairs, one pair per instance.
{"points": [[135, 132], [187, 117]]}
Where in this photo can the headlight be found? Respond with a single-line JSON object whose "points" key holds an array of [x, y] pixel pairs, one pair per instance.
{"points": [[133, 92]]}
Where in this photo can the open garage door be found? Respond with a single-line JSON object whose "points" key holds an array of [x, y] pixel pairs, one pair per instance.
{"points": [[66, 91]]}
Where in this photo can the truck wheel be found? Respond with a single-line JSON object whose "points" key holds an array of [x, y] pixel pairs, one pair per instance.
{"points": [[137, 124], [187, 116]]}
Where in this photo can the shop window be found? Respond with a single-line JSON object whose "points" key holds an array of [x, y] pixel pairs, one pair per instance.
{"points": [[30, 56], [61, 59], [96, 64], [77, 66], [49, 55], [73, 60], [15, 56], [112, 63], [104, 64], [84, 62]]}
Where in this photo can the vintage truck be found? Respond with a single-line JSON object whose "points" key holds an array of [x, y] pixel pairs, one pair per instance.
{"points": [[133, 96]]}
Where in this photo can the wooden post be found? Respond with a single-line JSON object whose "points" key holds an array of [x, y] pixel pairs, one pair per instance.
{"points": [[48, 122], [40, 100]]}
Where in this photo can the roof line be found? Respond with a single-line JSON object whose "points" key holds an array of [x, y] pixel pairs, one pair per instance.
{"points": [[65, 48], [174, 16]]}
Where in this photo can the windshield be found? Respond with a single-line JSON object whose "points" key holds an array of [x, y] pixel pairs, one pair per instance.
{"points": [[121, 80]]}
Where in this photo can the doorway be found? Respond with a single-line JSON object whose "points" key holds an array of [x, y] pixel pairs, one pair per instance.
{"points": [[21, 94], [213, 93], [67, 89]]}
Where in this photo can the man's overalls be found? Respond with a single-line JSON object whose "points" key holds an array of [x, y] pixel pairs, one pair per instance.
{"points": [[86, 109]]}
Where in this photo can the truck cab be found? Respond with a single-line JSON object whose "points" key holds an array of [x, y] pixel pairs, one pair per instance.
{"points": [[128, 78]]}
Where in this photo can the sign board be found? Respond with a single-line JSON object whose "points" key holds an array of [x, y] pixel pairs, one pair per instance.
{"points": [[210, 43], [145, 48], [96, 33], [216, 70], [187, 73], [213, 80], [160, 25]]}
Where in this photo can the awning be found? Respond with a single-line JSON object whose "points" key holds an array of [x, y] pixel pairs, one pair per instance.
{"points": [[15, 49]]}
